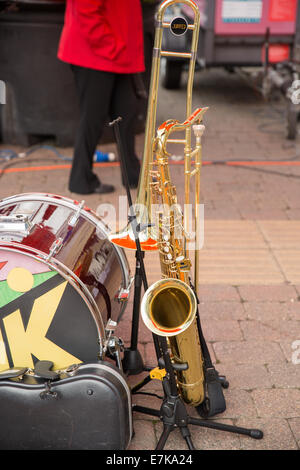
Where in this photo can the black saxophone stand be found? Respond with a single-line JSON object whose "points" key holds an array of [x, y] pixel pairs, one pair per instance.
{"points": [[172, 413]]}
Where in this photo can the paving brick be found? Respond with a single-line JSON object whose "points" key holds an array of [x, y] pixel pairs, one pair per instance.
{"points": [[280, 235], [222, 310], [275, 332], [293, 214], [246, 376], [277, 434], [238, 403], [263, 293], [245, 352], [236, 267], [144, 437], [295, 427], [271, 313], [289, 263], [297, 287], [294, 310], [265, 213], [228, 233], [221, 210], [284, 375], [215, 214], [221, 330], [218, 293], [277, 403], [288, 350], [271, 205]]}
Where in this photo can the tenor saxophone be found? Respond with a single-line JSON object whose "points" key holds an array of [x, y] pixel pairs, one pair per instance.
{"points": [[169, 306]]}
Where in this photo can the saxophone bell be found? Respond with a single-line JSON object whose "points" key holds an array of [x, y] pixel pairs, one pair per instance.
{"points": [[168, 307]]}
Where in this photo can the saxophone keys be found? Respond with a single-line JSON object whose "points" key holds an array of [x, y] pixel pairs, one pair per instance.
{"points": [[184, 264]]}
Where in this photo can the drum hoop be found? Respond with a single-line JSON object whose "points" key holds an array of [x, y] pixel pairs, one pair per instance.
{"points": [[68, 276], [90, 215]]}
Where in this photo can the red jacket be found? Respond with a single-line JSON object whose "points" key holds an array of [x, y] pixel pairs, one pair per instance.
{"points": [[104, 35]]}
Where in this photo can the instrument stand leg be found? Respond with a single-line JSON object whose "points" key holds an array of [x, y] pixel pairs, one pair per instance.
{"points": [[132, 362], [174, 415], [164, 437]]}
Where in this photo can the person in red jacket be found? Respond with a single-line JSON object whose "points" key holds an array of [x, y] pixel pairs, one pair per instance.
{"points": [[102, 40]]}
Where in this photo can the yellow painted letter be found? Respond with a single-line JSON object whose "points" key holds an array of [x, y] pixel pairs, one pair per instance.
{"points": [[33, 341]]}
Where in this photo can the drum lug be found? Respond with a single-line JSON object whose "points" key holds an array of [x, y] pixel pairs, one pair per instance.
{"points": [[123, 295], [115, 347], [110, 327], [15, 223], [74, 219], [55, 247], [124, 292]]}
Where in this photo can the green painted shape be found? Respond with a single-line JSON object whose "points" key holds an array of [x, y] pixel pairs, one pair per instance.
{"points": [[8, 295]]}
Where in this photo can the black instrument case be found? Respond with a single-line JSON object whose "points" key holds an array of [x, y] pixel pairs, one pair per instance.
{"points": [[88, 407]]}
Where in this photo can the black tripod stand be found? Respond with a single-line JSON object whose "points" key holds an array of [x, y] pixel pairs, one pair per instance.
{"points": [[172, 413]]}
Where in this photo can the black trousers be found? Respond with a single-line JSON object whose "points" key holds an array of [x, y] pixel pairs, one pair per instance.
{"points": [[102, 96]]}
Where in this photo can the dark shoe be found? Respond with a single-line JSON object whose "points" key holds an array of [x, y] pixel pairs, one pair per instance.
{"points": [[104, 189], [100, 189]]}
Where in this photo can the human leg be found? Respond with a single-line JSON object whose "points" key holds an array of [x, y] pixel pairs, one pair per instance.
{"points": [[94, 90]]}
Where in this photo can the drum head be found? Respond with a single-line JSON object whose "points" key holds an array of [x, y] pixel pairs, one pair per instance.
{"points": [[42, 315]]}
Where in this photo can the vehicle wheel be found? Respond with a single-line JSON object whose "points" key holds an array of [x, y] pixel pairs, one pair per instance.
{"points": [[171, 71]]}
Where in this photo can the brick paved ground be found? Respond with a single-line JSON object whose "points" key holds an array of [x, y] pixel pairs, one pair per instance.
{"points": [[250, 262]]}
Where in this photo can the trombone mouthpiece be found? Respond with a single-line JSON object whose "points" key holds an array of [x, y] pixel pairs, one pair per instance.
{"points": [[198, 129]]}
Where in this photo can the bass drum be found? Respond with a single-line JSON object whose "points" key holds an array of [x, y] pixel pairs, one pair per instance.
{"points": [[61, 281]]}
